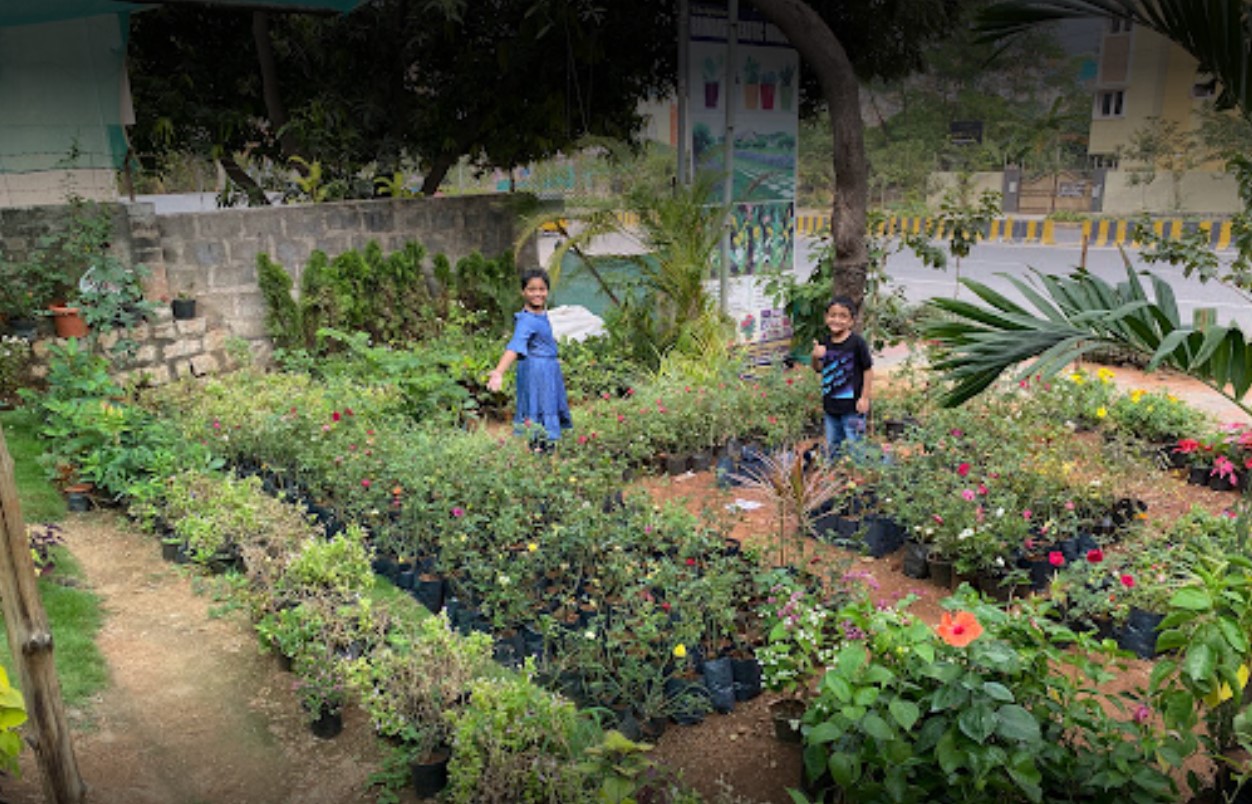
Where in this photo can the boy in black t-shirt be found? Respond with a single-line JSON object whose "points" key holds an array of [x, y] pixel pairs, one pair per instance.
{"points": [[846, 367]]}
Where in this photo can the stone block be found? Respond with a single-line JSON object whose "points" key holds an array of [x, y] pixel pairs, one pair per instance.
{"points": [[156, 374], [147, 354], [220, 226], [203, 365], [379, 218], [164, 331], [108, 340], [251, 329], [207, 254], [191, 328], [182, 348], [39, 371], [215, 339], [305, 222]]}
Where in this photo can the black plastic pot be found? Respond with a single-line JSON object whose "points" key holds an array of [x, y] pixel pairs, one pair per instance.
{"points": [[688, 699], [326, 725], [430, 774], [883, 536], [719, 680], [747, 677], [183, 309], [1138, 635], [428, 590], [914, 565]]}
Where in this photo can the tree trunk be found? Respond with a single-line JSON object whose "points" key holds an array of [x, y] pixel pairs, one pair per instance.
{"points": [[436, 172], [275, 110], [256, 196], [824, 54], [30, 642]]}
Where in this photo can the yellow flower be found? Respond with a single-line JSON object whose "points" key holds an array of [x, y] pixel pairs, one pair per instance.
{"points": [[1104, 374], [1101, 412], [1171, 397], [532, 547], [1136, 395], [1076, 378], [680, 651]]}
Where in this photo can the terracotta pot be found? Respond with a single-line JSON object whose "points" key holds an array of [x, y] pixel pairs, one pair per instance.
{"points": [[68, 322]]}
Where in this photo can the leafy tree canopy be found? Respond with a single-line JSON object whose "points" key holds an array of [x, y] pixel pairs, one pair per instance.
{"points": [[502, 81]]}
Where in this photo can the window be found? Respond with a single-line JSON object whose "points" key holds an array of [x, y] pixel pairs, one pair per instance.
{"points": [[1106, 161], [1119, 25], [1109, 103], [1204, 87]]}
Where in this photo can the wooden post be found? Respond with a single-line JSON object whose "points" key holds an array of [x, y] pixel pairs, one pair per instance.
{"points": [[1082, 257], [30, 641]]}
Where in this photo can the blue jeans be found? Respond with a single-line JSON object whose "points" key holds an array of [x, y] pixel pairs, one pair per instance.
{"points": [[848, 429]]}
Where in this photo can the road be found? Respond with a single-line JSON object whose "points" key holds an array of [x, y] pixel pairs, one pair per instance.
{"points": [[987, 260]]}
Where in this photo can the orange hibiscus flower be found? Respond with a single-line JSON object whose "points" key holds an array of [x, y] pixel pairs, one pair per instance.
{"points": [[960, 631]]}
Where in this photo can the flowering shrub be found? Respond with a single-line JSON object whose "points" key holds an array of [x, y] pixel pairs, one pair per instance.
{"points": [[987, 705], [15, 358]]}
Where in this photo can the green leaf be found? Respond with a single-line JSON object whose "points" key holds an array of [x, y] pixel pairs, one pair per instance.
{"points": [[1016, 723], [876, 727], [1200, 662], [997, 691], [905, 713], [977, 723], [1192, 598], [824, 732]]}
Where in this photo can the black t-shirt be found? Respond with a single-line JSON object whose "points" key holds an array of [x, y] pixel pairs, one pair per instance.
{"points": [[843, 373]]}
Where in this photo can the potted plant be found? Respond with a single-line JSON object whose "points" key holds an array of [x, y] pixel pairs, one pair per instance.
{"points": [[409, 687], [321, 690], [183, 306]]}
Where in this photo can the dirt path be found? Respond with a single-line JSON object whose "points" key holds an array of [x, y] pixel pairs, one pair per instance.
{"points": [[194, 711]]}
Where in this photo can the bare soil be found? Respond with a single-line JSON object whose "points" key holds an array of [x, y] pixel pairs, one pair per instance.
{"points": [[195, 712]]}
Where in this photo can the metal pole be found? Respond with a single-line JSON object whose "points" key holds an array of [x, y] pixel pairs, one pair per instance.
{"points": [[684, 89], [728, 191]]}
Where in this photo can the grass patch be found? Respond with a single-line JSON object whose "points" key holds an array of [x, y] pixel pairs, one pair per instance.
{"points": [[75, 616], [41, 501]]}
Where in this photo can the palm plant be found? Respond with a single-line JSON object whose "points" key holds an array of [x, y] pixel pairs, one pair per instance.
{"points": [[793, 488], [674, 234], [1072, 316]]}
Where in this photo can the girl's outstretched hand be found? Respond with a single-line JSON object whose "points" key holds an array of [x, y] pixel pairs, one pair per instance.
{"points": [[819, 351], [495, 381]]}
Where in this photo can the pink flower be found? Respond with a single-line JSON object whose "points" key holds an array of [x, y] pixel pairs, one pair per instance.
{"points": [[1095, 556], [1026, 514], [665, 605], [458, 512], [1128, 581], [938, 519], [1223, 467], [963, 470], [604, 395], [968, 494], [334, 416], [1069, 505], [1142, 713], [1056, 558], [982, 489], [620, 418], [630, 392], [691, 562], [325, 428], [582, 439], [217, 425], [365, 483], [348, 412], [773, 420], [957, 433]]}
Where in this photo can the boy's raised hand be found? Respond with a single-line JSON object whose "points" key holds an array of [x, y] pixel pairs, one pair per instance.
{"points": [[819, 351]]}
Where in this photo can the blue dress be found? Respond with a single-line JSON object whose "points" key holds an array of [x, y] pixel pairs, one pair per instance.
{"points": [[541, 396]]}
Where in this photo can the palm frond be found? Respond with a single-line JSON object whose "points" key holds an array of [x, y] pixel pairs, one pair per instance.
{"points": [[1073, 315]]}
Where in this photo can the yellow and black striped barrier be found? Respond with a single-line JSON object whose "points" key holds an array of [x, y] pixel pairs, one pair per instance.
{"points": [[1102, 232]]}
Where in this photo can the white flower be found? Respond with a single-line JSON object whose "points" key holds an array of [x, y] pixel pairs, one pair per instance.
{"points": [[590, 633], [999, 561], [999, 512], [965, 534]]}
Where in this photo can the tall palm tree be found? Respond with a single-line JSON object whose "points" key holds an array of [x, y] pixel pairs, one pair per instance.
{"points": [[1218, 33]]}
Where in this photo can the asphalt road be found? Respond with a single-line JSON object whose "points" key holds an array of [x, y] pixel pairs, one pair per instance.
{"points": [[988, 260]]}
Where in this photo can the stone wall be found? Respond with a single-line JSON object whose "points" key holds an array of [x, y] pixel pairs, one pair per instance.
{"points": [[211, 257]]}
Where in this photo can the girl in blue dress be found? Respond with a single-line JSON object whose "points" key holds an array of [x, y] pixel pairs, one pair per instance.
{"points": [[541, 396]]}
